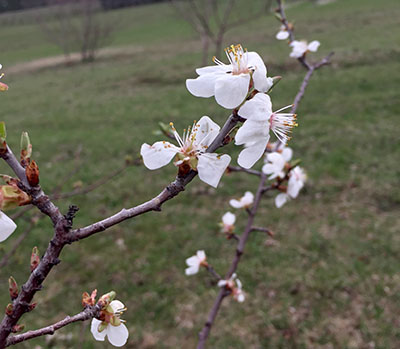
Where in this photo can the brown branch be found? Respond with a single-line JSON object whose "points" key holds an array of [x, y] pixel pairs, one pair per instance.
{"points": [[154, 204], [89, 313], [203, 335], [264, 230], [212, 271], [245, 170], [62, 226]]}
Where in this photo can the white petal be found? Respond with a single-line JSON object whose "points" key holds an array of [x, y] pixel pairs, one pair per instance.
{"points": [[313, 46], [247, 199], [117, 305], [194, 269], [98, 336], [201, 255], [222, 283], [294, 188], [117, 335], [268, 169], [206, 132], [261, 83], [277, 159], [282, 35], [281, 199], [239, 284], [211, 167], [7, 226], [214, 69], [240, 297], [235, 203], [250, 155], [192, 261], [252, 131], [157, 155], [229, 218], [231, 90], [203, 86], [257, 108], [287, 153]]}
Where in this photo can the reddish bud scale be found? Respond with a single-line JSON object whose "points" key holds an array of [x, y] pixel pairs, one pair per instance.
{"points": [[9, 309], [32, 174], [35, 259], [17, 328], [32, 306], [13, 288]]}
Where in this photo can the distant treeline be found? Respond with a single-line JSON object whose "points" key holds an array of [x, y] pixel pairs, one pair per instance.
{"points": [[15, 5]]}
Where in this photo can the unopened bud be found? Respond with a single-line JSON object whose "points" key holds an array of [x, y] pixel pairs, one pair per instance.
{"points": [[3, 135], [32, 306], [9, 309], [3, 87], [106, 299], [26, 147], [17, 328], [35, 259], [13, 288], [32, 174]]}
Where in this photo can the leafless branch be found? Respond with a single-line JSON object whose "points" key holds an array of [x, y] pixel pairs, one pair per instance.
{"points": [[89, 313], [245, 170]]}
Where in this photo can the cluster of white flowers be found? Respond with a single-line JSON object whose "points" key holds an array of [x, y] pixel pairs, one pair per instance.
{"points": [[297, 178], [195, 262], [7, 226], [242, 85], [299, 48]]}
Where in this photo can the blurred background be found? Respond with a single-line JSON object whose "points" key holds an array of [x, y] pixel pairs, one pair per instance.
{"points": [[90, 81]]}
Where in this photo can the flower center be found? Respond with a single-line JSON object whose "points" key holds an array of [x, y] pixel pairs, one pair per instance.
{"points": [[237, 58], [282, 123]]}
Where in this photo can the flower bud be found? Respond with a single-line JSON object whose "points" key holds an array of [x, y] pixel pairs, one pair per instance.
{"points": [[3, 87], [32, 306], [17, 328], [13, 288], [35, 259], [9, 309], [26, 147], [11, 196], [106, 299], [32, 174], [3, 135]]}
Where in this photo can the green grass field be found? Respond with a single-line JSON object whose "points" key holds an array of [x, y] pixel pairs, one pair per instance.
{"points": [[332, 278]]}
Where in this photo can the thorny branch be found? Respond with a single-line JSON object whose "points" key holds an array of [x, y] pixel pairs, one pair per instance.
{"points": [[262, 189]]}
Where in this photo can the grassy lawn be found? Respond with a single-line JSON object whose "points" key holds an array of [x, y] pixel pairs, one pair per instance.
{"points": [[331, 279]]}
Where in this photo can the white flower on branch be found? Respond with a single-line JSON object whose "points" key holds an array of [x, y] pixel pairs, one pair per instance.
{"points": [[276, 161], [297, 178], [235, 286], [195, 262], [230, 83], [300, 48], [283, 33], [111, 326], [254, 134], [7, 226], [228, 222], [191, 152], [244, 202]]}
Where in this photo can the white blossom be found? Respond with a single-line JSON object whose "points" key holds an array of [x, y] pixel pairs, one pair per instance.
{"points": [[300, 48], [283, 33], [235, 285], [254, 134], [297, 178], [244, 202], [230, 83], [112, 327], [195, 262], [7, 226], [191, 151], [276, 161]]}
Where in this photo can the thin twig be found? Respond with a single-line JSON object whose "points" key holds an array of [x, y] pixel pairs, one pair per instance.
{"points": [[89, 313], [246, 170]]}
